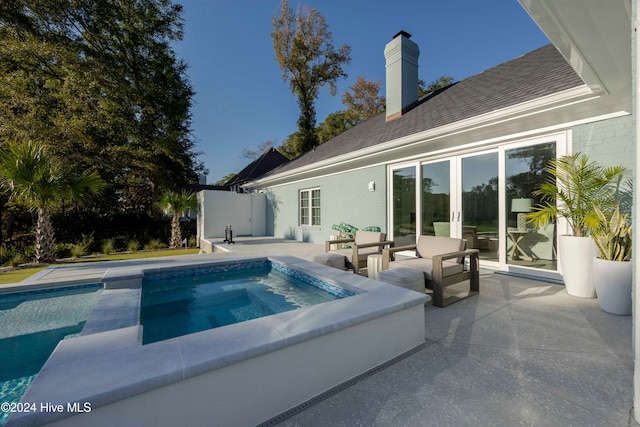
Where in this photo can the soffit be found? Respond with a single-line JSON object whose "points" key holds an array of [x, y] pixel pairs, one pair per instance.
{"points": [[594, 36]]}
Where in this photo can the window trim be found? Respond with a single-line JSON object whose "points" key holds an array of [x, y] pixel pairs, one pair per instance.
{"points": [[310, 208]]}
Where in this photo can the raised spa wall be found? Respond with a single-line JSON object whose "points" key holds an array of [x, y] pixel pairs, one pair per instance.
{"points": [[241, 375]]}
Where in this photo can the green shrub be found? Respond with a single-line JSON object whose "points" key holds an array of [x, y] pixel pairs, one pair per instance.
{"points": [[81, 248], [192, 242], [155, 244], [62, 250], [13, 256], [108, 246], [133, 245], [17, 259]]}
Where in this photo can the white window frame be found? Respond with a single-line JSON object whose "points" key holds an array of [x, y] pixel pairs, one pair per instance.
{"points": [[312, 216]]}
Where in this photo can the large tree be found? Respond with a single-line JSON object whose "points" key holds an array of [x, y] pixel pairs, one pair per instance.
{"points": [[35, 179], [305, 52], [99, 84], [363, 101]]}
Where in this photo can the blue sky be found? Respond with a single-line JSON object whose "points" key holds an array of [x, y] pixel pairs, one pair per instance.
{"points": [[241, 100]]}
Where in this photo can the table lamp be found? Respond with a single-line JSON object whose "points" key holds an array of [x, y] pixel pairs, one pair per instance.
{"points": [[522, 207]]}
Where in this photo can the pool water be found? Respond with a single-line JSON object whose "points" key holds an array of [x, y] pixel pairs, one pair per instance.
{"points": [[183, 305], [31, 326]]}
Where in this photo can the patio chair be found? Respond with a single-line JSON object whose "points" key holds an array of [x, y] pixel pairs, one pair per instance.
{"points": [[363, 244], [441, 259]]}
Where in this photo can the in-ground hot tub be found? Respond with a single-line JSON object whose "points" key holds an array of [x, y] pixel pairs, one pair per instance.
{"points": [[239, 374]]}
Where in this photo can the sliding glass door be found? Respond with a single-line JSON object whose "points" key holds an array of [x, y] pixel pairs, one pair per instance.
{"points": [[436, 199], [404, 205], [457, 197], [526, 245], [482, 197], [479, 208]]}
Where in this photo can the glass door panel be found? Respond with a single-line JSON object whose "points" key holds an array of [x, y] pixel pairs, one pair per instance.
{"points": [[526, 245], [404, 206], [479, 197], [436, 193]]}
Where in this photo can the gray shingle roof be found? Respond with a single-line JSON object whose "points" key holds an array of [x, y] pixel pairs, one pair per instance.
{"points": [[536, 74], [269, 160]]}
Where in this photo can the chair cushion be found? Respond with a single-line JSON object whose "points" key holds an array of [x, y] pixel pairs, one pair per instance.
{"points": [[362, 253], [426, 266], [428, 246], [364, 237]]}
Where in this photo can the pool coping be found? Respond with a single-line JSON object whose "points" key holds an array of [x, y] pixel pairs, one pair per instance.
{"points": [[107, 363]]}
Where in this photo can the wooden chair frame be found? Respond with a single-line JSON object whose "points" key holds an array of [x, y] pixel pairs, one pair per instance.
{"points": [[353, 263], [439, 281]]}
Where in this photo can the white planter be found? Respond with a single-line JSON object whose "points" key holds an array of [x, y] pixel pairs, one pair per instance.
{"points": [[574, 255], [613, 285]]}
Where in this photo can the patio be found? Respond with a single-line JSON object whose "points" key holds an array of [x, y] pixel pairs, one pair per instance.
{"points": [[522, 352]]}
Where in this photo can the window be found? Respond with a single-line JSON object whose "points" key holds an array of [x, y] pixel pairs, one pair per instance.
{"points": [[310, 207]]}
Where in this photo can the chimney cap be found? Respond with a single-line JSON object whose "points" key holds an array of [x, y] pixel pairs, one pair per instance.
{"points": [[402, 33]]}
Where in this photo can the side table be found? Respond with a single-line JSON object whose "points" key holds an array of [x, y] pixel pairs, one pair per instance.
{"points": [[374, 265], [516, 251]]}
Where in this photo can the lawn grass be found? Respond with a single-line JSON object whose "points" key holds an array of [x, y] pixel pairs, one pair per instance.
{"points": [[15, 276], [135, 255]]}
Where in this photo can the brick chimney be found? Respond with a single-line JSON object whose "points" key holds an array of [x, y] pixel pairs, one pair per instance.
{"points": [[401, 56]]}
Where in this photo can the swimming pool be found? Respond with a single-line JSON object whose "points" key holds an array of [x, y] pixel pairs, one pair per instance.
{"points": [[240, 374], [182, 302], [31, 326]]}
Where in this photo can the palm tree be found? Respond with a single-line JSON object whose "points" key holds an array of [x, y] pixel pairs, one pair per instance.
{"points": [[34, 179], [175, 204]]}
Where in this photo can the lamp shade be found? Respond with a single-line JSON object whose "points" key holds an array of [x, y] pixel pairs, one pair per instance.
{"points": [[521, 205]]}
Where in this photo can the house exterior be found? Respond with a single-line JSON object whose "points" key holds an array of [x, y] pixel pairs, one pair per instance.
{"points": [[464, 161]]}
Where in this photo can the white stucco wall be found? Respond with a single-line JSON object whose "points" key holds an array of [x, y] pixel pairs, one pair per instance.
{"points": [[245, 212]]}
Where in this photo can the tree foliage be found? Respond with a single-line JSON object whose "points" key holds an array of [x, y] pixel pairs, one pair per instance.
{"points": [[304, 50], [99, 84], [332, 126], [364, 101], [292, 146], [439, 83], [222, 181]]}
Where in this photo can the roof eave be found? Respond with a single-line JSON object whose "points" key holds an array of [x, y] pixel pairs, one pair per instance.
{"points": [[557, 100], [593, 36]]}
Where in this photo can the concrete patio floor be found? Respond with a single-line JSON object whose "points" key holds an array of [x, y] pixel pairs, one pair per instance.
{"points": [[522, 352]]}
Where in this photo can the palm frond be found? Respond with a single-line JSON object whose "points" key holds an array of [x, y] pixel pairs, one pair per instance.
{"points": [[573, 186]]}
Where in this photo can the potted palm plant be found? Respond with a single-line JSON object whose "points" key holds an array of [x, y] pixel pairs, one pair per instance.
{"points": [[573, 186], [612, 273]]}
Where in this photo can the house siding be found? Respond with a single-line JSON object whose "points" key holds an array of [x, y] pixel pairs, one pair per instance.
{"points": [[609, 142], [344, 197]]}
